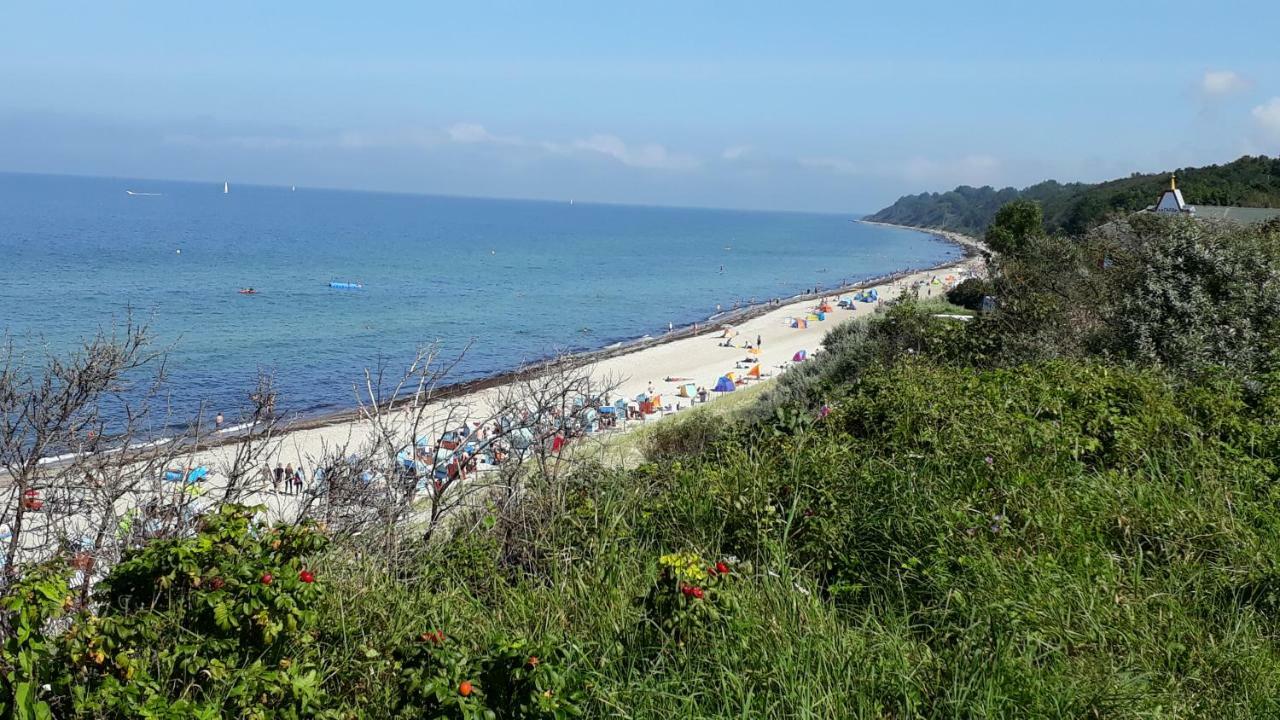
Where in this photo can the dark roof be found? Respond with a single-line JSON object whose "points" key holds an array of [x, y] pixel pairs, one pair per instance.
{"points": [[1242, 215]]}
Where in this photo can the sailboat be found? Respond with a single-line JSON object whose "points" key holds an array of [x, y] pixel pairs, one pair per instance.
{"points": [[226, 187]]}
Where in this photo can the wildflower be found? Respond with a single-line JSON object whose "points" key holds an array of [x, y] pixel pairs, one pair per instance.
{"points": [[307, 577], [990, 461], [722, 568], [533, 661], [997, 522]]}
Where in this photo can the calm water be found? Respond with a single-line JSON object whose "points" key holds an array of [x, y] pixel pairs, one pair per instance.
{"points": [[524, 279]]}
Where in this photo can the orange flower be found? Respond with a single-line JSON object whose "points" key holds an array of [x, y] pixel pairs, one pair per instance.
{"points": [[465, 688]]}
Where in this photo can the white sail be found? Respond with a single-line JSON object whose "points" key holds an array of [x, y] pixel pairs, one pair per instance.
{"points": [[226, 187]]}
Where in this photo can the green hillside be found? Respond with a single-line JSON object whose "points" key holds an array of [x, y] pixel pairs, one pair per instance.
{"points": [[1075, 207]]}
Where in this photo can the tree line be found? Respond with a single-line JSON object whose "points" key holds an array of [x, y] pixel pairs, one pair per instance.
{"points": [[1075, 208]]}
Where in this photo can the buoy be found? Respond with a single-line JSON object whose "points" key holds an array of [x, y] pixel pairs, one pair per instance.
{"points": [[179, 251]]}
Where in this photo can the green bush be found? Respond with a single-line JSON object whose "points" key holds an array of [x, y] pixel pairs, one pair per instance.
{"points": [[969, 293]]}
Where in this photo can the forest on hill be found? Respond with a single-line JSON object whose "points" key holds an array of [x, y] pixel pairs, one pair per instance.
{"points": [[1074, 208]]}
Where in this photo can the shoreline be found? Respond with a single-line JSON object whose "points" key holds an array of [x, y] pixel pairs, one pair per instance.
{"points": [[676, 351], [452, 391]]}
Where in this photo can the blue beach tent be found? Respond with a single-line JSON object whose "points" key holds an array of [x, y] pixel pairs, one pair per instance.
{"points": [[724, 384], [194, 476]]}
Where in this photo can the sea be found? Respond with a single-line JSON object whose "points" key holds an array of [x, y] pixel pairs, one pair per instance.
{"points": [[499, 282]]}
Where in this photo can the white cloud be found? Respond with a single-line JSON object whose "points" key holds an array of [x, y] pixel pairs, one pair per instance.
{"points": [[734, 152], [1220, 83], [967, 170], [1267, 115], [837, 165], [650, 155], [468, 133]]}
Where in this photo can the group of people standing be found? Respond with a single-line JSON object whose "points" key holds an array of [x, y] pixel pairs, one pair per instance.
{"points": [[291, 479]]}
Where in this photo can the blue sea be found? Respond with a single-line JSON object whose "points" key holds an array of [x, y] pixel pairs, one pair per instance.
{"points": [[517, 280]]}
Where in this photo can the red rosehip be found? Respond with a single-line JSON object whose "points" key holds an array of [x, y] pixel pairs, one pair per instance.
{"points": [[464, 689], [267, 578], [307, 576], [722, 568], [686, 590], [697, 593], [217, 583]]}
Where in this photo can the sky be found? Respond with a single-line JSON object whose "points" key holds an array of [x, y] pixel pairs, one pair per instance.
{"points": [[829, 106]]}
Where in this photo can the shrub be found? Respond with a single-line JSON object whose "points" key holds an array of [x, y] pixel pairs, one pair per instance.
{"points": [[690, 598], [969, 293], [208, 625], [510, 680]]}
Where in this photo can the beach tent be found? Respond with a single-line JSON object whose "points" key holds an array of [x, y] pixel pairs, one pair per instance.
{"points": [[800, 356], [731, 376], [754, 372], [822, 316], [192, 476], [800, 324], [688, 390], [824, 308], [724, 384]]}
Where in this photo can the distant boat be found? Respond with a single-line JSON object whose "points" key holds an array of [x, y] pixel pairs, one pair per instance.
{"points": [[293, 188], [226, 187], [141, 194], [248, 291], [341, 285], [570, 202]]}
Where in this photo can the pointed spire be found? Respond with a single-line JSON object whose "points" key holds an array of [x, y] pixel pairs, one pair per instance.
{"points": [[1173, 181]]}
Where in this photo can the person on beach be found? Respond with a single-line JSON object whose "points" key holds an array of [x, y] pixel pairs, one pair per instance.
{"points": [[671, 327], [217, 421], [651, 388], [279, 475], [759, 342], [288, 478], [297, 480], [266, 475]]}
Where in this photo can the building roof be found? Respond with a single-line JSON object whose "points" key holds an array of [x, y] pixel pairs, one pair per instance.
{"points": [[1242, 215], [1171, 202]]}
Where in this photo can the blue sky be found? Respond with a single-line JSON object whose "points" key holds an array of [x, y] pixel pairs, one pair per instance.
{"points": [[826, 106]]}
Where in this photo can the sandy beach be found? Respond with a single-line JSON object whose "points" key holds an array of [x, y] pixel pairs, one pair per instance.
{"points": [[700, 358], [658, 365]]}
